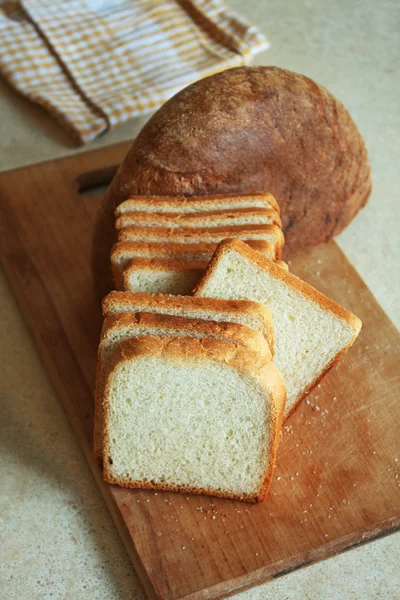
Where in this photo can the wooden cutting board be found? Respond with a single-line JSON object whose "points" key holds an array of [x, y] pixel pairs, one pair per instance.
{"points": [[337, 479]]}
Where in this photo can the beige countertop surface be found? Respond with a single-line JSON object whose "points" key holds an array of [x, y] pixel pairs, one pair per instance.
{"points": [[57, 539]]}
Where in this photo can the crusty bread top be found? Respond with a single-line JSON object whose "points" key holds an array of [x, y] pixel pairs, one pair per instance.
{"points": [[279, 273], [226, 218], [164, 264], [179, 349], [237, 135], [194, 203], [197, 251], [233, 332], [114, 301], [190, 302]]}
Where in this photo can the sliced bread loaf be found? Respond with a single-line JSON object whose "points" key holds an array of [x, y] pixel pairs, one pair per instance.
{"points": [[221, 218], [252, 314], [162, 276], [185, 205], [311, 332], [188, 235], [119, 327], [123, 252], [195, 416]]}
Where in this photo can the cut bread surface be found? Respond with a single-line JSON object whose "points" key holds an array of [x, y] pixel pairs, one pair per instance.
{"points": [[311, 332], [165, 276], [119, 327], [123, 252], [185, 205], [270, 233], [223, 218], [162, 275], [200, 416], [252, 314]]}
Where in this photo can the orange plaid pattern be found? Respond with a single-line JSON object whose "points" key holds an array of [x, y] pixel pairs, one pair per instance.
{"points": [[94, 64]]}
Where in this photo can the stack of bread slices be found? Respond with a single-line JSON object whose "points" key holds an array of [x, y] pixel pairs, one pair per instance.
{"points": [[165, 243], [207, 345]]}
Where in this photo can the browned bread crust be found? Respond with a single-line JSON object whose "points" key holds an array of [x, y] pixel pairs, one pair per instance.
{"points": [[113, 302], [234, 332], [265, 216], [191, 204], [282, 265], [184, 349], [271, 233]]}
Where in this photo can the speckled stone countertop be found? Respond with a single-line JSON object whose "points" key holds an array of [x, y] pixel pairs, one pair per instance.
{"points": [[57, 540]]}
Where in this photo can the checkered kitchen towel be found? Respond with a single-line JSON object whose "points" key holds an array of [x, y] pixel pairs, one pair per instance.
{"points": [[96, 63]]}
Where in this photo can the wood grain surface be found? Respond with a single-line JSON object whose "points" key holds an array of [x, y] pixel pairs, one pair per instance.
{"points": [[337, 479]]}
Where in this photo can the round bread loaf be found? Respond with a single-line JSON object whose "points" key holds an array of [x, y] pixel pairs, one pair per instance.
{"points": [[253, 129]]}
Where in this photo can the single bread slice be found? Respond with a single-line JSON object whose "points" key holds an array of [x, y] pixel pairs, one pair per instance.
{"points": [[119, 327], [162, 276], [188, 235], [216, 218], [123, 252], [311, 332], [194, 416], [252, 314], [185, 205]]}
